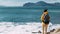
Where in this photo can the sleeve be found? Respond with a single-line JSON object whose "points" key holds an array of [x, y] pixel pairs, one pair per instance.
{"points": [[42, 17]]}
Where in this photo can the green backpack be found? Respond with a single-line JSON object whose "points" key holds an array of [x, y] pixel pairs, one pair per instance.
{"points": [[46, 18]]}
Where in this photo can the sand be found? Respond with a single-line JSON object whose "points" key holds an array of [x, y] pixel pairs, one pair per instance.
{"points": [[54, 31]]}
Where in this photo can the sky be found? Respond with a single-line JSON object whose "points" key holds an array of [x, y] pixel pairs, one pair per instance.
{"points": [[21, 2]]}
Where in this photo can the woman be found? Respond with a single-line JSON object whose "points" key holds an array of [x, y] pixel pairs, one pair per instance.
{"points": [[45, 21]]}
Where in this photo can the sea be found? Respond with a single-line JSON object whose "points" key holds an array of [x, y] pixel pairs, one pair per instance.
{"points": [[25, 21]]}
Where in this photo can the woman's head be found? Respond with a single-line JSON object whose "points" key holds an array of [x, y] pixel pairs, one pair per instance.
{"points": [[45, 11]]}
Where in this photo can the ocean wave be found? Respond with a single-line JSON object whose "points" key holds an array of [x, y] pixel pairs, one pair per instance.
{"points": [[28, 28]]}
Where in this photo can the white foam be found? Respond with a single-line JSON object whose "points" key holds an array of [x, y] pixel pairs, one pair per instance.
{"points": [[28, 28]]}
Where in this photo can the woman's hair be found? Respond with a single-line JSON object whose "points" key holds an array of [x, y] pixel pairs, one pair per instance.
{"points": [[45, 10]]}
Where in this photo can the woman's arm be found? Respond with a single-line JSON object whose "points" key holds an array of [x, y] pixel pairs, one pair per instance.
{"points": [[42, 17]]}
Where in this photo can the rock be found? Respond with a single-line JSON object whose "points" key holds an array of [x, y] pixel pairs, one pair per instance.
{"points": [[48, 32], [39, 31], [57, 30], [52, 30]]}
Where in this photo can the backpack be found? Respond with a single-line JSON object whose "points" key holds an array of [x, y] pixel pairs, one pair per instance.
{"points": [[46, 18]]}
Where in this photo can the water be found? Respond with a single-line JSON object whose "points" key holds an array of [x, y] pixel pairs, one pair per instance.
{"points": [[27, 15], [26, 21]]}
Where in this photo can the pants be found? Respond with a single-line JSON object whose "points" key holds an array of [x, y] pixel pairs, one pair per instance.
{"points": [[44, 28]]}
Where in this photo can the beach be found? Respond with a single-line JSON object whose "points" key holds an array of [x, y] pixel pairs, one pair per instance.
{"points": [[28, 28], [26, 21]]}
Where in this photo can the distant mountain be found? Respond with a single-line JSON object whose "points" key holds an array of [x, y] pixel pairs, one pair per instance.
{"points": [[29, 4], [41, 4]]}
